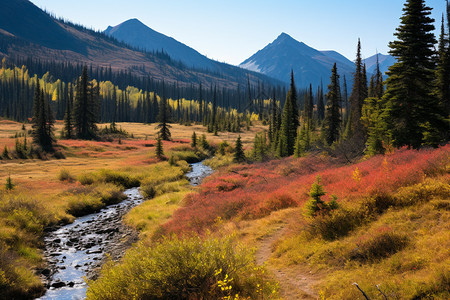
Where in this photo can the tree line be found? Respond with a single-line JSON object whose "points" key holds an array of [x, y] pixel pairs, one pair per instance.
{"points": [[410, 108]]}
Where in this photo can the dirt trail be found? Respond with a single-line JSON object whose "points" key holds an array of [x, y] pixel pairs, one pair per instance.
{"points": [[295, 282]]}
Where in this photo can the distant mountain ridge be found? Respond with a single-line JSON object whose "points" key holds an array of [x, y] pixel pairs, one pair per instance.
{"points": [[385, 62], [310, 66], [136, 34], [28, 32]]}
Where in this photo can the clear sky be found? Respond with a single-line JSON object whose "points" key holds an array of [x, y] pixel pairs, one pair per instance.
{"points": [[233, 30]]}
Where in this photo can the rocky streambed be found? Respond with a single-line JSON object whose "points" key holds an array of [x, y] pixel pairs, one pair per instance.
{"points": [[76, 251]]}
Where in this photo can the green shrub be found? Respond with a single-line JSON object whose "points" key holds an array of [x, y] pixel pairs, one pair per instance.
{"points": [[190, 268], [81, 205], [148, 190], [118, 178], [109, 193], [336, 224], [187, 155], [64, 175], [380, 245], [86, 178]]}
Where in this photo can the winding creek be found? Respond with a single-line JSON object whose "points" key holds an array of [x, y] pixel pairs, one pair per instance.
{"points": [[75, 250]]}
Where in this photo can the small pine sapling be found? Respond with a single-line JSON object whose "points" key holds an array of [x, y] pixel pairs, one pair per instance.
{"points": [[9, 185]]}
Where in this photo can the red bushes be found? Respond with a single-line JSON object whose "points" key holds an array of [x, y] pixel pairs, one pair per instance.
{"points": [[253, 191]]}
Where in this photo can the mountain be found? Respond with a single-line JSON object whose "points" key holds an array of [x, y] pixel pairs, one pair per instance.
{"points": [[309, 65], [136, 34], [28, 32], [385, 62]]}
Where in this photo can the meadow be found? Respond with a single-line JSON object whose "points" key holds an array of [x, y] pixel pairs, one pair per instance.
{"points": [[93, 174], [388, 231]]}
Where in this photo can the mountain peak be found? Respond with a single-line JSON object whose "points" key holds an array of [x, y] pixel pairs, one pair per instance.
{"points": [[285, 37], [133, 21]]}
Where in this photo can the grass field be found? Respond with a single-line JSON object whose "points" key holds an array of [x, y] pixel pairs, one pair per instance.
{"points": [[390, 227], [50, 191]]}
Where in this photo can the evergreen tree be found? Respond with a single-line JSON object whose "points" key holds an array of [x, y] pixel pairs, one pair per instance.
{"points": [[163, 126], [85, 110], [309, 106], [194, 140], [289, 122], [372, 115], [412, 111], [68, 126], [42, 128], [359, 92], [239, 155], [159, 148], [332, 121], [442, 90], [9, 185], [320, 105]]}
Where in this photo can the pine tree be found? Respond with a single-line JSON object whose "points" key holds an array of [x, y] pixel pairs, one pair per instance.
{"points": [[42, 128], [372, 115], [315, 204], [163, 118], [68, 126], [412, 111], [442, 89], [359, 92], [332, 121], [9, 185], [309, 106], [289, 122], [320, 105], [159, 148], [194, 140], [239, 155], [85, 109]]}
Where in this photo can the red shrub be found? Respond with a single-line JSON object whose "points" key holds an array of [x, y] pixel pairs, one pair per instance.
{"points": [[254, 191]]}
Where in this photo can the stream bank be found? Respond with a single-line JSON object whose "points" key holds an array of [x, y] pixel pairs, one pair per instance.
{"points": [[78, 250]]}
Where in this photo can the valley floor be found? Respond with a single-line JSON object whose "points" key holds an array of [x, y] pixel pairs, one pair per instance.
{"points": [[389, 232]]}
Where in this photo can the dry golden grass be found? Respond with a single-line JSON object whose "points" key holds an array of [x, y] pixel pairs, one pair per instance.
{"points": [[40, 183], [40, 177]]}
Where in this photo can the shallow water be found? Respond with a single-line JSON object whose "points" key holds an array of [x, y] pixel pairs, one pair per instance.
{"points": [[74, 250]]}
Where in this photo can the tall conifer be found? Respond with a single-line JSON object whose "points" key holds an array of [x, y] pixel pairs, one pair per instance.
{"points": [[412, 110], [332, 121]]}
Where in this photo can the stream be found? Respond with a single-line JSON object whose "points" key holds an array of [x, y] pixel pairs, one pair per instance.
{"points": [[75, 250]]}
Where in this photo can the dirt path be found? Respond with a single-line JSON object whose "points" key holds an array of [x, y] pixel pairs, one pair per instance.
{"points": [[295, 282]]}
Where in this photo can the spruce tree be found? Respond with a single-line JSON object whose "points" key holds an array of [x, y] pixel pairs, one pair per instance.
{"points": [[42, 128], [68, 126], [239, 155], [309, 106], [442, 89], [320, 105], [159, 148], [332, 120], [359, 92], [85, 109], [194, 140], [289, 122], [412, 110], [163, 118], [372, 115]]}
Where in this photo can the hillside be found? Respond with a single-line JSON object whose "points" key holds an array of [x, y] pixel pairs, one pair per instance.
{"points": [[135, 33], [27, 31]]}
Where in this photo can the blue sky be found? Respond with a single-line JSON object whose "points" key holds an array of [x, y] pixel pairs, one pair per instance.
{"points": [[233, 30]]}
